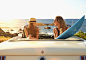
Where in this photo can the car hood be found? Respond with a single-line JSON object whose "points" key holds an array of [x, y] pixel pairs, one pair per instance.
{"points": [[43, 48]]}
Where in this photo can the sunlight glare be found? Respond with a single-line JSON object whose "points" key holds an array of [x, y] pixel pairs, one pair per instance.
{"points": [[6, 20]]}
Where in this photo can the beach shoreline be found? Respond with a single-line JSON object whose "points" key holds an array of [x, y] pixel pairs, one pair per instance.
{"points": [[6, 35]]}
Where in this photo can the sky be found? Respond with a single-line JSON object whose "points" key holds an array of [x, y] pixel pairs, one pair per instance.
{"points": [[42, 9]]}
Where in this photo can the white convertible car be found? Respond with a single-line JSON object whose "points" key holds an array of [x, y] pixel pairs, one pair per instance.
{"points": [[44, 48]]}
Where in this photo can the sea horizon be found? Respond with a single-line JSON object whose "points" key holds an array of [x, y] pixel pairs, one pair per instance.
{"points": [[16, 24]]}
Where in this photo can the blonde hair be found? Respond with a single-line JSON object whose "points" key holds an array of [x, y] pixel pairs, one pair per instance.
{"points": [[62, 23], [32, 30]]}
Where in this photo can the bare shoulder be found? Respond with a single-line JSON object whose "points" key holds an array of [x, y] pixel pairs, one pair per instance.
{"points": [[26, 27]]}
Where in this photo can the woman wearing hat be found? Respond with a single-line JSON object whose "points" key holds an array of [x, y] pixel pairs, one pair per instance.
{"points": [[32, 31], [61, 26]]}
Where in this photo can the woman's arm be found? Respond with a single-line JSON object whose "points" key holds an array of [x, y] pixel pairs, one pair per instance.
{"points": [[55, 33], [26, 32]]}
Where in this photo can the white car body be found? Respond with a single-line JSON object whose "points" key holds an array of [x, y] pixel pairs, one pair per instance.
{"points": [[49, 49]]}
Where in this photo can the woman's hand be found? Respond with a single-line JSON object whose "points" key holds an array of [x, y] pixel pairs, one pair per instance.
{"points": [[30, 36], [55, 33], [55, 30]]}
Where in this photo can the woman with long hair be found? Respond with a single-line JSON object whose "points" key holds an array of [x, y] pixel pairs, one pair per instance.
{"points": [[61, 26], [32, 31]]}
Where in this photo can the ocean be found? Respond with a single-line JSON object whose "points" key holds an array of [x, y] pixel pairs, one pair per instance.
{"points": [[16, 24]]}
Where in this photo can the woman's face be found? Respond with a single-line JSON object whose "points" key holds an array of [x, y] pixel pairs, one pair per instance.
{"points": [[34, 23], [56, 23]]}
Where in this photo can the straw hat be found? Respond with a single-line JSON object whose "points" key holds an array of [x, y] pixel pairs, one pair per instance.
{"points": [[32, 20]]}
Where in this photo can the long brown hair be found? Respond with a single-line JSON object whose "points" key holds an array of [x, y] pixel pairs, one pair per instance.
{"points": [[62, 23], [32, 30]]}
